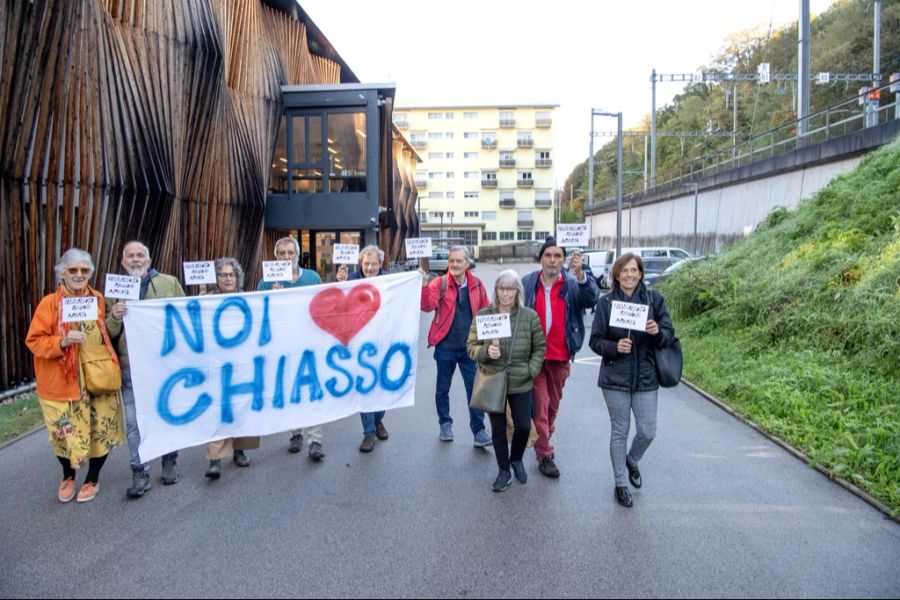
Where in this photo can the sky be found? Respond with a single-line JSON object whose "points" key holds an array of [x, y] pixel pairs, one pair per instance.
{"points": [[579, 55]]}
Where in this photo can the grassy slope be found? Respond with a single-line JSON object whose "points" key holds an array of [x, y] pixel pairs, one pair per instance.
{"points": [[798, 326], [19, 415]]}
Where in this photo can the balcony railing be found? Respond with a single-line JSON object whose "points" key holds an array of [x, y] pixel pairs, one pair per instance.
{"points": [[419, 144], [507, 202], [525, 143], [489, 183], [525, 224], [488, 143], [525, 183], [543, 162], [543, 203], [543, 123], [508, 162], [507, 123]]}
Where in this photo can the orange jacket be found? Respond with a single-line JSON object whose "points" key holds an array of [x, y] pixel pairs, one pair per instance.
{"points": [[43, 340]]}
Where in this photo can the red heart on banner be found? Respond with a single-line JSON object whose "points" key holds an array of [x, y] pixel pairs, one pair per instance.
{"points": [[344, 315]]}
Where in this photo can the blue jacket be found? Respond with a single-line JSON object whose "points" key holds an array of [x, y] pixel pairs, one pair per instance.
{"points": [[359, 275], [578, 296]]}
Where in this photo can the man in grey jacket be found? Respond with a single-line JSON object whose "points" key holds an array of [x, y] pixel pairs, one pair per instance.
{"points": [[136, 262]]}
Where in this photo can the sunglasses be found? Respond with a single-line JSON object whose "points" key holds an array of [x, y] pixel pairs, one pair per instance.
{"points": [[76, 271], [226, 275]]}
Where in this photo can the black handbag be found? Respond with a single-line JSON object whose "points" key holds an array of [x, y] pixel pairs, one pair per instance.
{"points": [[669, 362], [489, 390]]}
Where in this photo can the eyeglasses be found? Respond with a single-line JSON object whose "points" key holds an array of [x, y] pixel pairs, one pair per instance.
{"points": [[507, 290], [227, 275], [76, 271]]}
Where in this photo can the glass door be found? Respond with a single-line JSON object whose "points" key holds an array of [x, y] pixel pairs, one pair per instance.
{"points": [[322, 251]]}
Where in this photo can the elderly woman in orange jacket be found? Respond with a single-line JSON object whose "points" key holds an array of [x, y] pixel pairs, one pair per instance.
{"points": [[83, 426]]}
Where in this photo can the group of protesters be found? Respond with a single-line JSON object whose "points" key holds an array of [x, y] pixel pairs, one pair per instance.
{"points": [[86, 419]]}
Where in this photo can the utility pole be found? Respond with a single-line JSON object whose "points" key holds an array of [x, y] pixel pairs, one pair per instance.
{"points": [[803, 69], [619, 138], [653, 132]]}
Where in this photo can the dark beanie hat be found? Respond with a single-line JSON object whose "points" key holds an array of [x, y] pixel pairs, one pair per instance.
{"points": [[551, 241]]}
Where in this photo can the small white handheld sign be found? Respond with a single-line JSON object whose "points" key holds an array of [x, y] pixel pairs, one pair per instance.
{"points": [[199, 272], [572, 234], [79, 309], [626, 315], [277, 270], [418, 247], [493, 326], [124, 287], [346, 254]]}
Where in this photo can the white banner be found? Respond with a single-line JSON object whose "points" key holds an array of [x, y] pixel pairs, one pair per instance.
{"points": [[217, 366]]}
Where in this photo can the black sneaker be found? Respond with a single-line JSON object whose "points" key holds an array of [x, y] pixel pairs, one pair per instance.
{"points": [[502, 481], [519, 471], [634, 474], [215, 469], [140, 483], [241, 459], [169, 472], [315, 451], [548, 468], [295, 444], [623, 496]]}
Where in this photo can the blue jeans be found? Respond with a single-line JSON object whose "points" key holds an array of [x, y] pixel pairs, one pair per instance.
{"points": [[368, 421], [133, 435], [446, 365]]}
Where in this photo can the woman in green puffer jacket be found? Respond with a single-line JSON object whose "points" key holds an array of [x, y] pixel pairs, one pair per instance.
{"points": [[525, 353]]}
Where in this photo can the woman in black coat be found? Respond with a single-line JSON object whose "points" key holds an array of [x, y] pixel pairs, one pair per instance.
{"points": [[628, 373]]}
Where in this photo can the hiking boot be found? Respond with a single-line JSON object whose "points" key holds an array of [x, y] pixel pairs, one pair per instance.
{"points": [[215, 469], [548, 468], [315, 452], [140, 483], [295, 444], [482, 439], [88, 491], [66, 490], [368, 444], [380, 432], [502, 481], [446, 434], [241, 459], [169, 472], [519, 470]]}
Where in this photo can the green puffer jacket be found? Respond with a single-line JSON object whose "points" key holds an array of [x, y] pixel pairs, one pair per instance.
{"points": [[528, 349], [159, 286]]}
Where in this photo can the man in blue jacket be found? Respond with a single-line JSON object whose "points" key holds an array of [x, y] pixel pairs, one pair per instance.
{"points": [[559, 300]]}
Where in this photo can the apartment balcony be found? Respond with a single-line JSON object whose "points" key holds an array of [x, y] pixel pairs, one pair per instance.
{"points": [[421, 183], [507, 123], [489, 184], [543, 123], [525, 183], [543, 162], [543, 203], [507, 202], [489, 143], [525, 143], [525, 223], [508, 163]]}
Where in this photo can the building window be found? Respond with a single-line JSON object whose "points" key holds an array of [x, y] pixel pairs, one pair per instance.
{"points": [[471, 213], [435, 195], [470, 115], [489, 215], [524, 236], [451, 174], [435, 155], [470, 175], [524, 139], [435, 115], [489, 176], [470, 195], [489, 236], [470, 155], [448, 115], [469, 236], [507, 236], [449, 135], [507, 118], [435, 135], [437, 215], [451, 195], [448, 155], [470, 135], [435, 175], [489, 139], [542, 118], [312, 169], [541, 235]]}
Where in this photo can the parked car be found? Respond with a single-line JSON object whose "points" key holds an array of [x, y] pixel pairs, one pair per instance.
{"points": [[658, 278], [659, 257], [437, 264]]}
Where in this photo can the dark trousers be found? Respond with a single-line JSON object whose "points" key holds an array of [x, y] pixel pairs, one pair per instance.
{"points": [[520, 407]]}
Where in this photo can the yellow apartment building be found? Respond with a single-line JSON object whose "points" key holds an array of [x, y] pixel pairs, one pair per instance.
{"points": [[487, 173]]}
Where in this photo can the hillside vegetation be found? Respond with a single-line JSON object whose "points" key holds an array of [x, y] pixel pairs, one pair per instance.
{"points": [[798, 326]]}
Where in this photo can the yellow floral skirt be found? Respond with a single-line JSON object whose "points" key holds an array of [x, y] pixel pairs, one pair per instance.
{"points": [[86, 428]]}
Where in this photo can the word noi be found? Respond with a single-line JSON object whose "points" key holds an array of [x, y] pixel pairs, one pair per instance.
{"points": [[363, 373]]}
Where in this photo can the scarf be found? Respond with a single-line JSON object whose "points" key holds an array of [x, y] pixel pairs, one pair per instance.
{"points": [[69, 359]]}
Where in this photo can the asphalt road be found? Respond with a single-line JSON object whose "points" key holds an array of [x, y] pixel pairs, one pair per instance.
{"points": [[723, 512]]}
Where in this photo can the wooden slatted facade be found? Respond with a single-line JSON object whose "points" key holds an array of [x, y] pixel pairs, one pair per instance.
{"points": [[143, 119]]}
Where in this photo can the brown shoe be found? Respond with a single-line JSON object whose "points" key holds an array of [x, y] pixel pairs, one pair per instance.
{"points": [[88, 491], [548, 468], [66, 490], [380, 432], [368, 444]]}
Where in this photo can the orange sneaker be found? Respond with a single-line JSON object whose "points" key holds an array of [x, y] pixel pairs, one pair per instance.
{"points": [[66, 490], [88, 491]]}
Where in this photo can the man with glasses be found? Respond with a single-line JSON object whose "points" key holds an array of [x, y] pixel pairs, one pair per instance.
{"points": [[559, 300], [455, 297], [136, 262], [287, 248]]}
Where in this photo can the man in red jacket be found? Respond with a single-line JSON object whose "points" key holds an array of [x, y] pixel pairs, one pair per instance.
{"points": [[455, 297]]}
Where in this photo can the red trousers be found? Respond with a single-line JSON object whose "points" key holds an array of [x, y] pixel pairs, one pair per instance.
{"points": [[548, 387]]}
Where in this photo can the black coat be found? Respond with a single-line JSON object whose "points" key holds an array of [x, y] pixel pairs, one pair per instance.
{"points": [[636, 371]]}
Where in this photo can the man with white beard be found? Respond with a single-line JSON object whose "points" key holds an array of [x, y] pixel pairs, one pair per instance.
{"points": [[136, 262]]}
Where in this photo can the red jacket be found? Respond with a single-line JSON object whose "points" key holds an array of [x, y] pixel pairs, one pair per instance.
{"points": [[431, 295]]}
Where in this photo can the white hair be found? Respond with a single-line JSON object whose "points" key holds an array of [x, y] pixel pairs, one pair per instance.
{"points": [[70, 257], [510, 278], [372, 249]]}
